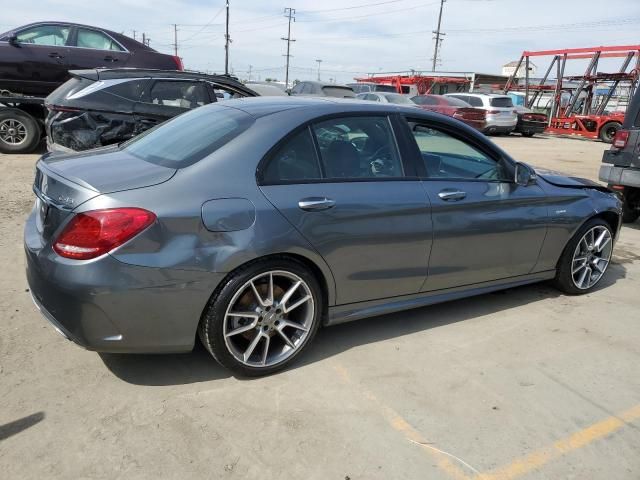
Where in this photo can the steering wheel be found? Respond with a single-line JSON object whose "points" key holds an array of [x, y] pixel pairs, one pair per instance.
{"points": [[379, 161]]}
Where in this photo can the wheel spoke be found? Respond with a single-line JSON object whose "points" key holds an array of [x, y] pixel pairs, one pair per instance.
{"points": [[579, 267], [265, 351], [244, 328], [285, 338], [601, 265], [603, 241], [288, 294], [244, 314], [270, 299], [304, 299], [252, 347], [288, 323], [258, 296], [583, 276]]}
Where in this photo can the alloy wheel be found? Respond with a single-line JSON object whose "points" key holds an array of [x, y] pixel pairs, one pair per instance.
{"points": [[591, 257], [13, 132], [269, 319]]}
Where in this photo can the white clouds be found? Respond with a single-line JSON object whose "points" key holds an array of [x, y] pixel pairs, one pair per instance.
{"points": [[379, 37]]}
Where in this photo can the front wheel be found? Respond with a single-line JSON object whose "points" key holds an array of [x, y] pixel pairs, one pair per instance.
{"points": [[609, 130], [263, 317], [527, 134], [585, 259]]}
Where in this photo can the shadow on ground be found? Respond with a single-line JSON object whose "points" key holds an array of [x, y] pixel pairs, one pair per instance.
{"points": [[12, 428], [198, 366]]}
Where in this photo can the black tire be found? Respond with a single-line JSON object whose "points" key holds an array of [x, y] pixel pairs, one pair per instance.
{"points": [[564, 278], [528, 134], [12, 118], [608, 131], [211, 328]]}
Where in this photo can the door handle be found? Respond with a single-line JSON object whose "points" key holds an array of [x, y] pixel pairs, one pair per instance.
{"points": [[55, 55], [109, 58], [452, 195], [314, 204]]}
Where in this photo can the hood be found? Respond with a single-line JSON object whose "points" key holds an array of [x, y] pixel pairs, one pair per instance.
{"points": [[562, 180], [106, 170]]}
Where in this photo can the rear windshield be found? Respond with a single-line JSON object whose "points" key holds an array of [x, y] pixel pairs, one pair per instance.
{"points": [[188, 138], [501, 102], [340, 92], [385, 88], [64, 91], [456, 102], [398, 99]]}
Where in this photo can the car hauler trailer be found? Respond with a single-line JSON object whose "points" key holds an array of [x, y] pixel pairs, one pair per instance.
{"points": [[584, 113], [21, 122]]}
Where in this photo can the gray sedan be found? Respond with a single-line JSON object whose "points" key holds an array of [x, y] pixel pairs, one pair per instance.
{"points": [[251, 223]]}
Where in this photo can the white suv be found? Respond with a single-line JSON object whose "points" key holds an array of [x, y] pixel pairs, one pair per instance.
{"points": [[502, 117]]}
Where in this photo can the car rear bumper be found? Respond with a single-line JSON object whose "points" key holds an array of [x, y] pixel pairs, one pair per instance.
{"points": [[498, 129], [612, 175], [527, 126], [110, 306]]}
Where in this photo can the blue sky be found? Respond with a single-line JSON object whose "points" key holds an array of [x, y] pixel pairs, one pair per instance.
{"points": [[352, 37]]}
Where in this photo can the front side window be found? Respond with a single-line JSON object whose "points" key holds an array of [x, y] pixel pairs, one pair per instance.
{"points": [[447, 157], [96, 40], [358, 148], [44, 35], [179, 94]]}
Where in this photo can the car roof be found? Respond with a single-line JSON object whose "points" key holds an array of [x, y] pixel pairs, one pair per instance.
{"points": [[96, 74], [325, 84]]}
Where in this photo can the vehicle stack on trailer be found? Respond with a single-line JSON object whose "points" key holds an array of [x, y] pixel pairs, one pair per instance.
{"points": [[583, 113]]}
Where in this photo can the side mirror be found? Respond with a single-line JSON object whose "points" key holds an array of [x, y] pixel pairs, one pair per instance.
{"points": [[524, 174], [13, 40]]}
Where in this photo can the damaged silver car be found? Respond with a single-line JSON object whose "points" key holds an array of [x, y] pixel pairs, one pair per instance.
{"points": [[101, 107]]}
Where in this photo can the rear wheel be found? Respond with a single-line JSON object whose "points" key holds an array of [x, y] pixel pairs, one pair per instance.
{"points": [[527, 134], [19, 131], [609, 130], [262, 317], [585, 258]]}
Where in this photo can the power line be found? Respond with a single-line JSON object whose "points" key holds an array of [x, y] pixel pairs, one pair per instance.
{"points": [[367, 5], [290, 13], [205, 25], [355, 17]]}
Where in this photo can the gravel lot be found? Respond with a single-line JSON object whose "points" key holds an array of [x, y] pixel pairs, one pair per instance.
{"points": [[519, 384]]}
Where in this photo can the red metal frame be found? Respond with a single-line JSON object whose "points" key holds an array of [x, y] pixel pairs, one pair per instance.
{"points": [[424, 83], [565, 120]]}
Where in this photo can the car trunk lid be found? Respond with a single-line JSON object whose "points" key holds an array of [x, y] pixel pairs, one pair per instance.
{"points": [[64, 182]]}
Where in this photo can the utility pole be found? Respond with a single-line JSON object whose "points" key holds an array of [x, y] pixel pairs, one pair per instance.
{"points": [[250, 67], [226, 44], [134, 34], [289, 12], [437, 38], [319, 62], [175, 39]]}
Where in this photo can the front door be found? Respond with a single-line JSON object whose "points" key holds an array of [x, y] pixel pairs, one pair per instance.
{"points": [[95, 49], [341, 183], [486, 227]]}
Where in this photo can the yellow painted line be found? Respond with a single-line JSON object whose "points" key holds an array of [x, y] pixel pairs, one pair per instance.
{"points": [[395, 420], [575, 441]]}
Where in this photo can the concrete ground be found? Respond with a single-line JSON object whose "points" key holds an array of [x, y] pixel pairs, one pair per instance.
{"points": [[525, 383]]}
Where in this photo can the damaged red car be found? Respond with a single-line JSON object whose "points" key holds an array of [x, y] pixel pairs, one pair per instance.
{"points": [[102, 107], [453, 107]]}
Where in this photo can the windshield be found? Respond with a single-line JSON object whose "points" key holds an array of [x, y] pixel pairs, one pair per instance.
{"points": [[188, 138], [399, 99]]}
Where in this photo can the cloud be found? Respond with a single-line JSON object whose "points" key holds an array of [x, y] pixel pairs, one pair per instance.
{"points": [[389, 35]]}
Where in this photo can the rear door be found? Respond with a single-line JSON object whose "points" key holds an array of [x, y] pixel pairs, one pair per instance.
{"points": [[91, 48], [343, 185], [486, 227], [39, 59], [167, 98]]}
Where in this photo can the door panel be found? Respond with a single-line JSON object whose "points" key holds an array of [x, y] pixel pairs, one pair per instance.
{"points": [[375, 236], [494, 231], [94, 49]]}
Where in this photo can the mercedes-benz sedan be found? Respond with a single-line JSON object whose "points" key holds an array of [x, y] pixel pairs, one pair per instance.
{"points": [[252, 223]]}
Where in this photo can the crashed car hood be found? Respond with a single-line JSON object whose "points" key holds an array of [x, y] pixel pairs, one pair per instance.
{"points": [[106, 170], [562, 180]]}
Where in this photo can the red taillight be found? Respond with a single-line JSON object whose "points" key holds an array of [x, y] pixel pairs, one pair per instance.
{"points": [[178, 61], [617, 187], [60, 108], [94, 233], [621, 138]]}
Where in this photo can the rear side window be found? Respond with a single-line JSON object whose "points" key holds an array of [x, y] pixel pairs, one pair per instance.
{"points": [[131, 89], [44, 35], [294, 160], [501, 102], [474, 101], [340, 92], [424, 100], [96, 40], [179, 94], [456, 102], [385, 88], [188, 138]]}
